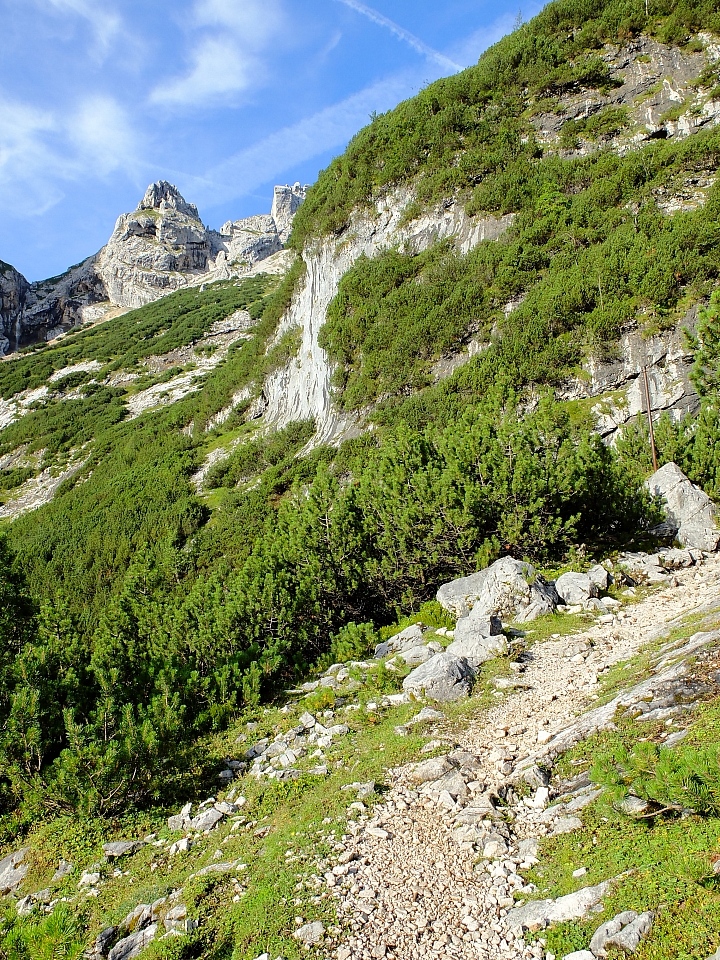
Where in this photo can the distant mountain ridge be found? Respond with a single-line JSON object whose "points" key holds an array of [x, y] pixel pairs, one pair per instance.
{"points": [[160, 247]]}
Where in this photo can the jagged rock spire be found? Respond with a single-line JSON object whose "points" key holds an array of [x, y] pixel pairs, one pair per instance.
{"points": [[161, 195]]}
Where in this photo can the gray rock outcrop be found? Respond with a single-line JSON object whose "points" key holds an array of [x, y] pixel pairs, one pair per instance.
{"points": [[12, 871], [444, 678], [509, 589], [690, 513], [286, 201], [130, 947], [537, 914]]}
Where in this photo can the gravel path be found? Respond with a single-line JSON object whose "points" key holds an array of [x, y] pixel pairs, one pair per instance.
{"points": [[411, 888]]}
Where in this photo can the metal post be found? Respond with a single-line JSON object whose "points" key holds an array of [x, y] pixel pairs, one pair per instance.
{"points": [[650, 421]]}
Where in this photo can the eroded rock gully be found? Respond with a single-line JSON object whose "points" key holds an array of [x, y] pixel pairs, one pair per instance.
{"points": [[409, 884]]}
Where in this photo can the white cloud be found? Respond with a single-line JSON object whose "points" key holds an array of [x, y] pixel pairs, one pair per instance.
{"points": [[40, 153], [415, 42], [282, 151], [105, 21], [228, 58], [102, 136], [254, 22], [219, 68]]}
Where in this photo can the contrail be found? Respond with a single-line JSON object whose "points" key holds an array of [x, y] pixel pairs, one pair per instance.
{"points": [[415, 42]]}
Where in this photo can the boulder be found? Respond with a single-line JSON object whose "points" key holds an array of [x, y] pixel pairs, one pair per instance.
{"points": [[443, 678], [12, 871], [690, 513], [598, 944], [628, 939], [310, 934], [478, 638], [509, 589], [206, 820], [575, 588], [429, 770], [417, 655], [537, 914], [407, 639], [599, 576], [130, 947]]}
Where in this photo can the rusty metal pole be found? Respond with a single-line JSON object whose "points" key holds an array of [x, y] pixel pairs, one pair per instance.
{"points": [[650, 420]]}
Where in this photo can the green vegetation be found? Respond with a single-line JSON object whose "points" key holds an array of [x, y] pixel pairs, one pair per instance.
{"points": [[662, 860], [141, 620], [589, 251], [466, 132]]}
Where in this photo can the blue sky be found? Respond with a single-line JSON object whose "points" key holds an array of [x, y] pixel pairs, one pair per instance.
{"points": [[225, 98]]}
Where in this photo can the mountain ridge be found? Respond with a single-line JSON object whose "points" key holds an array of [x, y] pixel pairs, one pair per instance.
{"points": [[160, 247]]}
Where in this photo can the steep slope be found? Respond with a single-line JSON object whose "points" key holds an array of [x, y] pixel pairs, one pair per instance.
{"points": [[239, 492]]}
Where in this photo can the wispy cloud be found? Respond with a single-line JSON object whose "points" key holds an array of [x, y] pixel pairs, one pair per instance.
{"points": [[284, 150], [41, 152], [219, 68], [227, 58], [415, 42], [106, 22]]}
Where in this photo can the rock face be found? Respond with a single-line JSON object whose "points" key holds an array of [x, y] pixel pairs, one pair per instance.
{"points": [[158, 248], [691, 514], [286, 201], [300, 390], [14, 289], [509, 589], [619, 382]]}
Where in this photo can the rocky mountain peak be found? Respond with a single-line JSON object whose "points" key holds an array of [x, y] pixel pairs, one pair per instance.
{"points": [[162, 195]]}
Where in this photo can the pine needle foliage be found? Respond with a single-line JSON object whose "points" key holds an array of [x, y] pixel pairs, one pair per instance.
{"points": [[670, 781]]}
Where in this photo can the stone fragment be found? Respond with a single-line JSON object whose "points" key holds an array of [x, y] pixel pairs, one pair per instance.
{"points": [[432, 769], [417, 655], [425, 715], [444, 678], [121, 848], [130, 947], [310, 934], [207, 820], [628, 939], [579, 955], [537, 914], [478, 638], [65, 868], [599, 576], [598, 944]]}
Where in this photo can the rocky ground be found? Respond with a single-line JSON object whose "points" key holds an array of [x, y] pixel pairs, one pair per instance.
{"points": [[410, 883]]}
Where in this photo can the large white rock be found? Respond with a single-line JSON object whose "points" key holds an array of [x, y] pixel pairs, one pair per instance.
{"points": [[478, 638], [509, 589], [575, 588], [12, 871], [443, 678], [691, 514]]}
